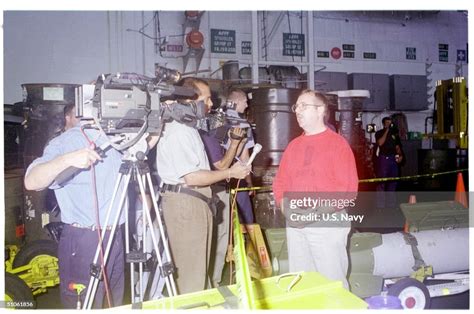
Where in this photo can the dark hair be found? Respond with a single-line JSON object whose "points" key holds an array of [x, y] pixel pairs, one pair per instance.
{"points": [[68, 108], [191, 82], [386, 119]]}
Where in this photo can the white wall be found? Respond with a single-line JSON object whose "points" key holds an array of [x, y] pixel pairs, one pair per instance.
{"points": [[75, 46]]}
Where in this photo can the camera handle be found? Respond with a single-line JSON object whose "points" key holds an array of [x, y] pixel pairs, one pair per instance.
{"points": [[132, 166], [69, 172]]}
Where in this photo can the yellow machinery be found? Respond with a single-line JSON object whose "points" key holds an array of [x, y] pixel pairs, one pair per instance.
{"points": [[31, 270], [451, 110]]}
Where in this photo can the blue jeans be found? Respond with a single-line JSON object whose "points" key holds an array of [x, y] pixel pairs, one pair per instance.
{"points": [[387, 167]]}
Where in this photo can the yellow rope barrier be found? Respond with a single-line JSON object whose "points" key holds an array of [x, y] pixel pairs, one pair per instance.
{"points": [[429, 175]]}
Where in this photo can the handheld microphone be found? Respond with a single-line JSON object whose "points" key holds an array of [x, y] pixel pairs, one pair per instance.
{"points": [[256, 149]]}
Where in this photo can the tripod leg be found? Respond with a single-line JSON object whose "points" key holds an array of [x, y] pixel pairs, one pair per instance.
{"points": [[127, 251], [144, 240], [163, 234], [94, 281], [170, 285]]}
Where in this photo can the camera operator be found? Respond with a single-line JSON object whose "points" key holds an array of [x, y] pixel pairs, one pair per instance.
{"points": [[221, 159], [239, 98], [184, 169], [222, 153], [389, 156], [84, 200], [70, 119]]}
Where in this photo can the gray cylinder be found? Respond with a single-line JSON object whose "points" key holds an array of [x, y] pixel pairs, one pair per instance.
{"points": [[287, 76], [446, 250], [245, 75], [276, 125], [230, 71]]}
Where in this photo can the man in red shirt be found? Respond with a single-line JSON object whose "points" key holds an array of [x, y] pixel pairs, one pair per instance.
{"points": [[318, 163]]}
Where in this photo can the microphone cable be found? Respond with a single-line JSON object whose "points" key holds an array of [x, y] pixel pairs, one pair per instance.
{"points": [[99, 229]]}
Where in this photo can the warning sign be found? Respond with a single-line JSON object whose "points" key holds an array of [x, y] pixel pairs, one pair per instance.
{"points": [[222, 41], [293, 45]]}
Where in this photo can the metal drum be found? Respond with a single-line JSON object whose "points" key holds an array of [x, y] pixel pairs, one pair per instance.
{"points": [[230, 71], [276, 125], [44, 104], [245, 75], [267, 215]]}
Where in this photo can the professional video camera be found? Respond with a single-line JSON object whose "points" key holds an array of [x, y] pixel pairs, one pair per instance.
{"points": [[132, 103], [222, 119]]}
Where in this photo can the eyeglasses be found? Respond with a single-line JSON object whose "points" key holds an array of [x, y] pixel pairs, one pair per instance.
{"points": [[303, 105]]}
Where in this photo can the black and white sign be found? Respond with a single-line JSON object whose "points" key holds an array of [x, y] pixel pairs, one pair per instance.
{"points": [[411, 53], [348, 54], [246, 47], [293, 45], [443, 52], [349, 47], [323, 54], [443, 47], [370, 55], [222, 41], [443, 56]]}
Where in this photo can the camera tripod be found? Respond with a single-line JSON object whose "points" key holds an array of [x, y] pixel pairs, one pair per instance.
{"points": [[134, 166]]}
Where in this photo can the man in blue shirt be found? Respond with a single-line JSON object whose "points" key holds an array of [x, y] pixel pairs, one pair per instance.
{"points": [[83, 209]]}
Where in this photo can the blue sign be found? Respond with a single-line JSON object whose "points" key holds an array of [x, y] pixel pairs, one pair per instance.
{"points": [[461, 55]]}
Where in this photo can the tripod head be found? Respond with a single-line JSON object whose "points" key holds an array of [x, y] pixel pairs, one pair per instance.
{"points": [[138, 151]]}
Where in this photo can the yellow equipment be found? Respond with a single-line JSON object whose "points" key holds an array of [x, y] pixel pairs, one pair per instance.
{"points": [[451, 110]]}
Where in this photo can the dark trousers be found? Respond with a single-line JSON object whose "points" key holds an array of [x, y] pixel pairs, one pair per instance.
{"points": [[245, 205], [387, 167], [76, 252]]}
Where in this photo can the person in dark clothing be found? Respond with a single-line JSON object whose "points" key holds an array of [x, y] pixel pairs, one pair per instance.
{"points": [[388, 157], [221, 159]]}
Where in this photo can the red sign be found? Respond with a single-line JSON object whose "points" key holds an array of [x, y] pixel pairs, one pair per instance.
{"points": [[336, 53], [20, 231]]}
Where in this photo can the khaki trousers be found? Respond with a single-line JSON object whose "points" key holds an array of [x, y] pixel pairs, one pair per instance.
{"points": [[189, 224], [221, 236]]}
